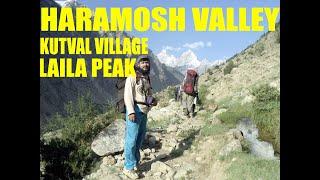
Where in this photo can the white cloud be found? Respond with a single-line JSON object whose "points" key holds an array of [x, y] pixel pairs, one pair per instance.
{"points": [[194, 45], [198, 44], [170, 48]]}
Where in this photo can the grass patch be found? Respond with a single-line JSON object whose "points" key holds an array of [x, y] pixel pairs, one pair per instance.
{"points": [[225, 102], [250, 167], [235, 113], [264, 111], [209, 130], [203, 91], [161, 123], [205, 115]]}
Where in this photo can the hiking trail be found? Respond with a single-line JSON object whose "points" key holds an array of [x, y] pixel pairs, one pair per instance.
{"points": [[179, 151]]}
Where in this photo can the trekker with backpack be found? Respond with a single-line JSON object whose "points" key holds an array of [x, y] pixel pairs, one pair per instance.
{"points": [[138, 101], [190, 92]]}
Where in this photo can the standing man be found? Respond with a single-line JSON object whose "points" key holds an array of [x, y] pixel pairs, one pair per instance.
{"points": [[138, 101], [190, 92]]}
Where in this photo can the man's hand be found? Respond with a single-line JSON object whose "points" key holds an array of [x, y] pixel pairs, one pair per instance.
{"points": [[132, 117]]}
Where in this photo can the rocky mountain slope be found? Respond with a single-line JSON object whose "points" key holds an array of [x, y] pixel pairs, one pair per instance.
{"points": [[258, 64], [56, 92]]}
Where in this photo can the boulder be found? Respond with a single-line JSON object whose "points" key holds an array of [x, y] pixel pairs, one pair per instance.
{"points": [[237, 134], [152, 141], [159, 166], [110, 140], [262, 149], [147, 152], [181, 174], [109, 160], [162, 156]]}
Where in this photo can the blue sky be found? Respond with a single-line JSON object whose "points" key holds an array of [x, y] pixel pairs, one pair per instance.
{"points": [[211, 45]]}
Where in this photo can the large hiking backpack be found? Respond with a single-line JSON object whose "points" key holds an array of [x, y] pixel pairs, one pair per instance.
{"points": [[190, 81], [120, 105]]}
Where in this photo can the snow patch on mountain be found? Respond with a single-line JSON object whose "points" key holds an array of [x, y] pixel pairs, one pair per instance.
{"points": [[187, 59]]}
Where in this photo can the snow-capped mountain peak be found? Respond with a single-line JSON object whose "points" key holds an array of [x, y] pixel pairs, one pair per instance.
{"points": [[187, 59]]}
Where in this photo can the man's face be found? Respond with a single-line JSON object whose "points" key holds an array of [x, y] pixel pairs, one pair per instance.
{"points": [[144, 65]]}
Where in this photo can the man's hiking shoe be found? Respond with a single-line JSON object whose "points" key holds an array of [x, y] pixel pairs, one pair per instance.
{"points": [[130, 174], [137, 168]]}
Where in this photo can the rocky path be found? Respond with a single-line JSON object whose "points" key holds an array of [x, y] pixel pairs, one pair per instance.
{"points": [[177, 152]]}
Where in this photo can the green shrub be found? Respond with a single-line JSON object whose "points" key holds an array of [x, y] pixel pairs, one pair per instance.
{"points": [[210, 71], [267, 113], [259, 49], [278, 32], [268, 124], [228, 68], [267, 98], [71, 157], [203, 91], [278, 37], [171, 92]]}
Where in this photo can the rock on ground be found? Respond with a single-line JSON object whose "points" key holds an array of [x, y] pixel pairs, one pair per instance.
{"points": [[103, 144]]}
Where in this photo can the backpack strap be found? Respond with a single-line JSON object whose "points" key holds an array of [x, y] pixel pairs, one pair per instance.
{"points": [[143, 103], [149, 81]]}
